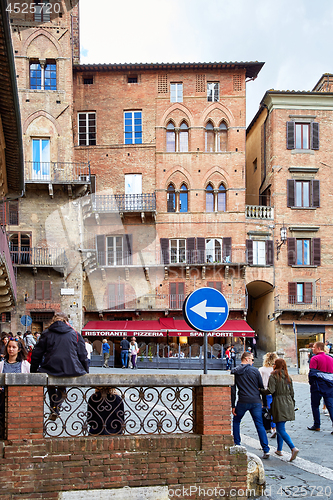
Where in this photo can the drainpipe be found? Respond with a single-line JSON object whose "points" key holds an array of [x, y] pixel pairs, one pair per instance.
{"points": [[265, 170]]}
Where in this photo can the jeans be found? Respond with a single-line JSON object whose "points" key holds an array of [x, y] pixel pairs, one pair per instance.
{"points": [[282, 435], [256, 413], [315, 403], [106, 359], [269, 399], [228, 366], [133, 359], [124, 358]]}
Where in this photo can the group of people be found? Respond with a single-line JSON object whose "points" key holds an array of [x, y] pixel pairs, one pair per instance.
{"points": [[271, 388], [128, 352]]}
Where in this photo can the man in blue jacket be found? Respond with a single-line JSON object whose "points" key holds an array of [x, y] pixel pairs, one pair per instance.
{"points": [[248, 382]]}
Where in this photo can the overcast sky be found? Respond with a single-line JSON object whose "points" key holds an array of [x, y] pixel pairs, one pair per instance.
{"points": [[292, 37]]}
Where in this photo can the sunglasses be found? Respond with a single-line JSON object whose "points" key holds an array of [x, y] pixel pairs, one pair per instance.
{"points": [[16, 339]]}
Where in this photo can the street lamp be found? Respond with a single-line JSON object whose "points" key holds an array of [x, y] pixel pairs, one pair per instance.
{"points": [[283, 236]]}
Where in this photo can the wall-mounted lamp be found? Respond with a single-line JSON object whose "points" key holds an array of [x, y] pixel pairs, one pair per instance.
{"points": [[283, 235]]}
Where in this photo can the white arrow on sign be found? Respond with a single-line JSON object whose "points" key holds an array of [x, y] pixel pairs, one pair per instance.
{"points": [[202, 309]]}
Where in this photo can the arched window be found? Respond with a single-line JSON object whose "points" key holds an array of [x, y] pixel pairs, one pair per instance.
{"points": [[223, 137], [209, 198], [171, 199], [209, 138], [221, 199], [183, 199], [183, 138], [171, 138]]}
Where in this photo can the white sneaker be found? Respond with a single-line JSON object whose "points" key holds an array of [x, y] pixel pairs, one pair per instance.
{"points": [[273, 434], [326, 412]]}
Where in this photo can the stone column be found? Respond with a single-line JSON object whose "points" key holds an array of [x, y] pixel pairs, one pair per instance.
{"points": [[304, 361]]}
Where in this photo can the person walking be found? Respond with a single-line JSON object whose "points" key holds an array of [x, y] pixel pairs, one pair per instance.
{"points": [[60, 352], [281, 387], [89, 349], [248, 381], [124, 346], [106, 353], [233, 355], [133, 352], [265, 371], [228, 358], [321, 383]]}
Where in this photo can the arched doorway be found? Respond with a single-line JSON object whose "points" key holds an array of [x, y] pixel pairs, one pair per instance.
{"points": [[260, 313]]}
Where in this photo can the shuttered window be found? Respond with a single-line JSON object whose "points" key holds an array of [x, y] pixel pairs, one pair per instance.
{"points": [[215, 284], [303, 194], [43, 290], [304, 252], [299, 293], [176, 295], [260, 253], [196, 250], [302, 135]]}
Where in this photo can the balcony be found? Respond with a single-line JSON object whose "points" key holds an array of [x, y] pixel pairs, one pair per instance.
{"points": [[303, 304], [122, 204], [57, 173], [259, 212], [157, 302], [39, 257], [201, 257]]}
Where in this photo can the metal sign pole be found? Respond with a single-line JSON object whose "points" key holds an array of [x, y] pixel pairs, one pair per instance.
{"points": [[205, 352], [295, 333]]}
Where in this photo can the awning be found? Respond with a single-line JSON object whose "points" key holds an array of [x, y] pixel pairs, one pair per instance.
{"points": [[162, 328]]}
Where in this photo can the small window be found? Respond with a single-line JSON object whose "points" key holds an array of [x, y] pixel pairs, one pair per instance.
{"points": [[303, 194], [132, 79], [42, 11], [221, 199], [177, 251], [302, 252], [176, 295], [209, 138], [183, 138], [209, 198], [176, 92], [302, 135], [171, 199], [88, 80], [170, 138], [87, 129], [223, 137], [213, 250], [43, 290], [133, 127], [300, 293], [183, 199], [213, 91], [43, 76]]}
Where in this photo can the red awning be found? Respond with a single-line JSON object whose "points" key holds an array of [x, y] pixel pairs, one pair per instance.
{"points": [[162, 328]]}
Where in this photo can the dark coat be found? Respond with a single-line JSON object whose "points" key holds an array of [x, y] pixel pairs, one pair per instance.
{"points": [[283, 405], [105, 414], [60, 352], [248, 382], [321, 382]]}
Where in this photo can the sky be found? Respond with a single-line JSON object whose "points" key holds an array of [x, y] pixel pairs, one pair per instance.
{"points": [[292, 37]]}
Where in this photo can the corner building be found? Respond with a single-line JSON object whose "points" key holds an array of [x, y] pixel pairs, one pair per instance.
{"points": [[166, 145], [288, 163]]}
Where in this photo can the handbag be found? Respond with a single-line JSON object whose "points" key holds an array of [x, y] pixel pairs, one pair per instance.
{"points": [[266, 417]]}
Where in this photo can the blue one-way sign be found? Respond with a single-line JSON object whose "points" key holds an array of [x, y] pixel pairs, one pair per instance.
{"points": [[206, 309]]}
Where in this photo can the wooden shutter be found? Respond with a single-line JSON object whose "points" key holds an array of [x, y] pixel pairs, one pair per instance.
{"points": [[42, 290], [249, 252], [316, 252], [38, 290], [13, 213], [291, 245], [292, 291], [314, 135], [226, 248], [215, 284], [177, 295], [165, 250], [47, 290], [290, 193], [290, 135], [190, 250], [315, 193], [201, 248], [307, 292], [128, 249], [269, 252], [101, 254]]}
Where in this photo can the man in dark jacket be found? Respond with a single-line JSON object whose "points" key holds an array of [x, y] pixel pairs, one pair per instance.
{"points": [[60, 352], [248, 382]]}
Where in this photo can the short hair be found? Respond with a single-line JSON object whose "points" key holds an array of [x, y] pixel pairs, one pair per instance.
{"points": [[246, 355], [319, 345]]}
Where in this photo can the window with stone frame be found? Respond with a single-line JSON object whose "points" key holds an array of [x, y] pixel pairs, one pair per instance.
{"points": [[43, 290], [87, 128], [303, 193], [304, 251], [300, 293], [260, 252], [302, 135]]}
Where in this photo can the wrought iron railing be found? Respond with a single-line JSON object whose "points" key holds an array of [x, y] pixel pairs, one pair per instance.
{"points": [[57, 172], [25, 256], [86, 411], [209, 257], [124, 202], [303, 303], [259, 212], [6, 257]]}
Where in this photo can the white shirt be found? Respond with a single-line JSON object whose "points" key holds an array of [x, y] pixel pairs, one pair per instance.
{"points": [[89, 349], [265, 372]]}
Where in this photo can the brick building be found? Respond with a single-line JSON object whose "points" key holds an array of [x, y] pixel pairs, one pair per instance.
{"points": [[288, 196]]}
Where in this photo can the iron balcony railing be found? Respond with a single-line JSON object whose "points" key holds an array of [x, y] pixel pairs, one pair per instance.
{"points": [[25, 256], [217, 256], [56, 172], [124, 202], [259, 212], [303, 303], [6, 258]]}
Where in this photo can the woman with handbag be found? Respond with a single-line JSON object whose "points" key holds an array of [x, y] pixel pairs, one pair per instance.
{"points": [[280, 386], [265, 372], [133, 352]]}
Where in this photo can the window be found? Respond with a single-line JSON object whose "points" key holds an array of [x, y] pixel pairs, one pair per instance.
{"points": [[9, 213], [304, 251], [43, 290], [42, 11], [209, 198], [43, 76], [116, 296], [171, 199], [133, 127], [20, 248], [221, 199], [88, 80], [209, 138], [132, 79], [114, 250], [176, 295], [177, 251], [176, 92], [212, 91], [183, 138], [260, 252], [87, 129], [303, 194], [300, 293], [215, 284], [171, 138], [213, 250], [302, 135], [223, 137], [41, 159], [183, 199]]}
